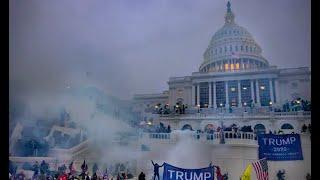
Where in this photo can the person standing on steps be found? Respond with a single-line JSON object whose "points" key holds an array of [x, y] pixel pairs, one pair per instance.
{"points": [[156, 170]]}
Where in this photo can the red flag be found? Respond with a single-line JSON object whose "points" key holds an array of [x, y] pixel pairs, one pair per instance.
{"points": [[218, 172], [63, 177]]}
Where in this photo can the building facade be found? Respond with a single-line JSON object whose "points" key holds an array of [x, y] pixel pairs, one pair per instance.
{"points": [[234, 76], [234, 87]]}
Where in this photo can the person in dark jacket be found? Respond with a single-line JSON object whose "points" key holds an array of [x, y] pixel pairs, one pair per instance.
{"points": [[142, 176], [156, 167]]}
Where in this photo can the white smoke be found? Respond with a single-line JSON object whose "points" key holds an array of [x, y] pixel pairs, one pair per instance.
{"points": [[104, 129]]}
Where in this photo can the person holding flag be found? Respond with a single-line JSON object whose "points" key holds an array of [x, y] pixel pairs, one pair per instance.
{"points": [[218, 173], [72, 170]]}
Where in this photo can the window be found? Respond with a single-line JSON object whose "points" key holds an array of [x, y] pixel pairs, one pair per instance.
{"points": [[287, 126], [241, 48], [226, 67], [225, 49], [237, 66], [232, 67], [264, 92], [246, 92], [215, 51], [230, 48], [259, 129], [220, 94], [187, 126], [236, 48], [204, 94], [233, 93], [220, 50], [246, 48]]}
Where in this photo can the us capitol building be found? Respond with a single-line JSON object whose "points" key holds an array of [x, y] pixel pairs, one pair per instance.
{"points": [[235, 86]]}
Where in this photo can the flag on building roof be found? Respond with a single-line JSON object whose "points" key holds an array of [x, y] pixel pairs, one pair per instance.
{"points": [[247, 173], [261, 168]]}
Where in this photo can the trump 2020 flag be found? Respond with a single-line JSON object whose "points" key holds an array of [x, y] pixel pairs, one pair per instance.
{"points": [[175, 173]]}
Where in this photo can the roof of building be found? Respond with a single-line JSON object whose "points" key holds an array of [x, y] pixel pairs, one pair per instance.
{"points": [[223, 42]]}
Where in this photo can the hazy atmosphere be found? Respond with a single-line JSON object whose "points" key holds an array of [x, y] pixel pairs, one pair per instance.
{"points": [[127, 47]]}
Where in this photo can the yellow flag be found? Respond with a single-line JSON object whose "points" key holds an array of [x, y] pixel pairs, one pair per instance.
{"points": [[247, 173]]}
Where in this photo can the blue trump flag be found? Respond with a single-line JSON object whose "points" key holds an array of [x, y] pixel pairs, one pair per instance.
{"points": [[280, 147], [174, 173]]}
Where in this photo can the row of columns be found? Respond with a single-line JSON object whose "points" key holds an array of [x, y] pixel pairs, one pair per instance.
{"points": [[243, 64], [214, 103]]}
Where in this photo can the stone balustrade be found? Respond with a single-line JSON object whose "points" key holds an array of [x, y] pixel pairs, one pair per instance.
{"points": [[217, 114], [245, 138]]}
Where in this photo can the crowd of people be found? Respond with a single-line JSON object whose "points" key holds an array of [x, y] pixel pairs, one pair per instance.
{"points": [[42, 171], [157, 128], [178, 108], [297, 105]]}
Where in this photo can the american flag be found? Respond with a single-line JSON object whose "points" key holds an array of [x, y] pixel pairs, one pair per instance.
{"points": [[261, 168]]}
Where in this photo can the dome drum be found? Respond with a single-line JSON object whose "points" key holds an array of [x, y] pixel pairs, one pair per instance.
{"points": [[233, 65]]}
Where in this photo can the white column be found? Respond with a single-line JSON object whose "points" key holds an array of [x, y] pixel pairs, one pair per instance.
{"points": [[214, 95], [198, 94], [239, 94], [277, 95], [210, 95], [193, 96], [257, 92], [227, 94], [271, 90], [252, 90]]}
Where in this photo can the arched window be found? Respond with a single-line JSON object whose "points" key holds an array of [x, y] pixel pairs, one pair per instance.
{"points": [[287, 126], [259, 129], [179, 100], [187, 126]]}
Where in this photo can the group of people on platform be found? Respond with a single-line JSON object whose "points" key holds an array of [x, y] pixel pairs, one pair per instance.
{"points": [[63, 173], [157, 128], [165, 109]]}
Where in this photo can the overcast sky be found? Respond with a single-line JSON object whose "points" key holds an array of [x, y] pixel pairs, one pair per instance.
{"points": [[133, 46]]}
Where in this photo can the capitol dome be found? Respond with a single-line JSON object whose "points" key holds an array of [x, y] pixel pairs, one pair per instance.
{"points": [[232, 48]]}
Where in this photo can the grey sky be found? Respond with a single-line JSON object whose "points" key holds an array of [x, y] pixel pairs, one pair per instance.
{"points": [[133, 47]]}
